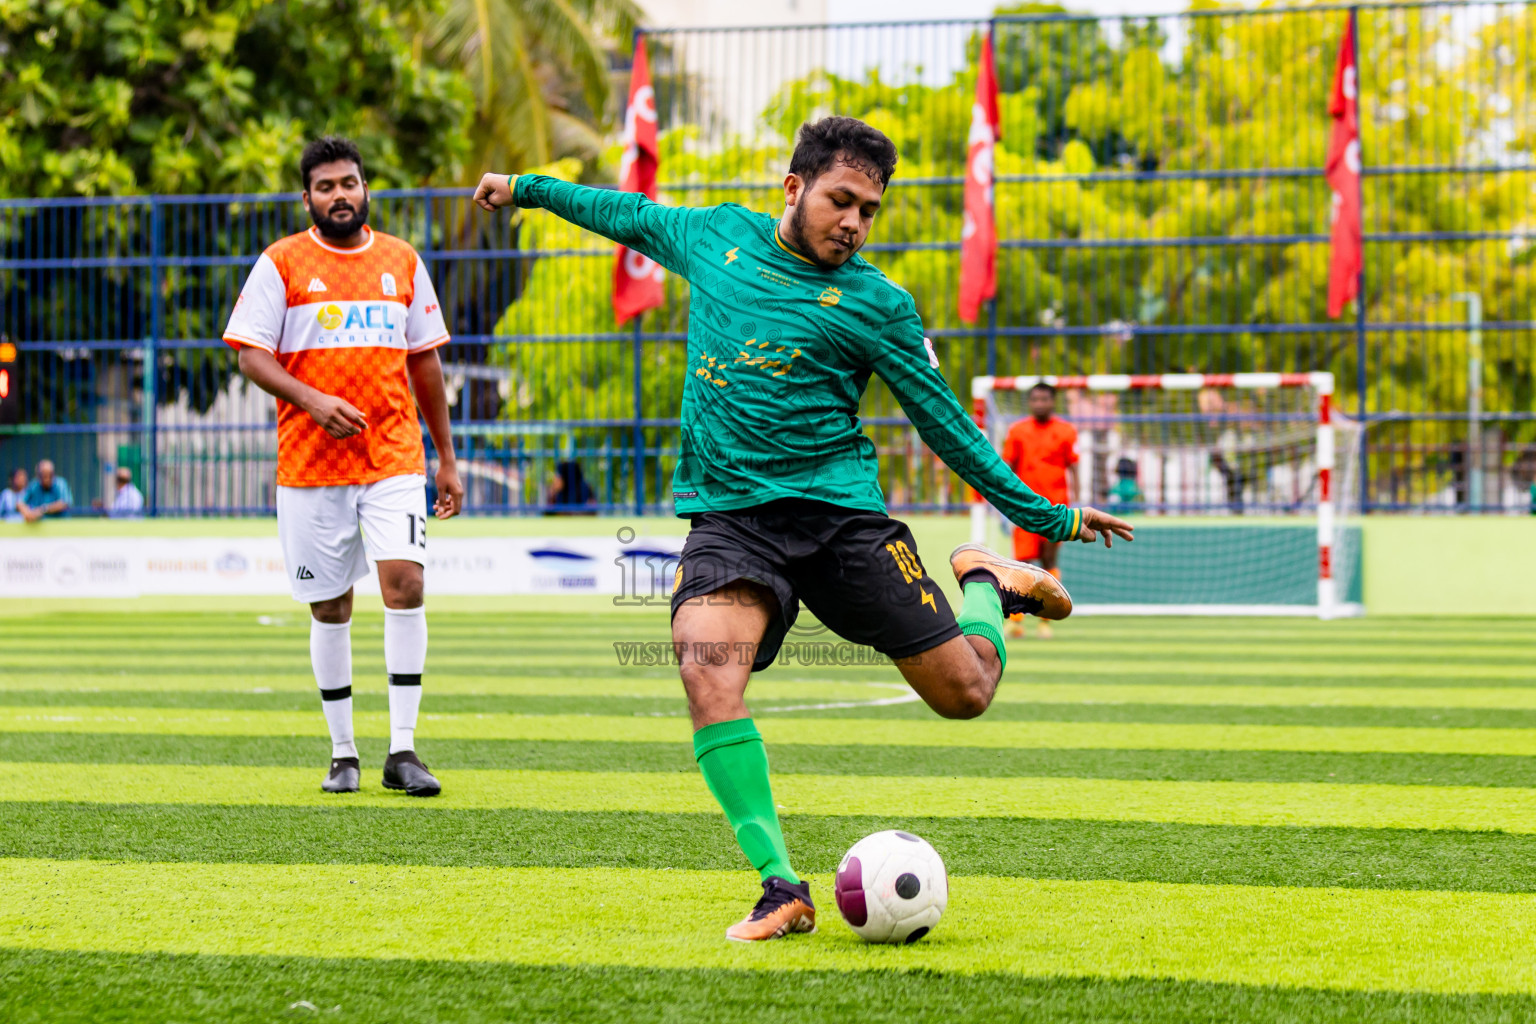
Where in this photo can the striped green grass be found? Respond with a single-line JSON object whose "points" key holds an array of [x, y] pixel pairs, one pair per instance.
{"points": [[1265, 820], [1367, 939], [1014, 847], [87, 988], [843, 702], [881, 731], [808, 759], [1466, 808]]}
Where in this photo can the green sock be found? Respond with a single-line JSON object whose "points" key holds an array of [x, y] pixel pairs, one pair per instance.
{"points": [[981, 614], [735, 765]]}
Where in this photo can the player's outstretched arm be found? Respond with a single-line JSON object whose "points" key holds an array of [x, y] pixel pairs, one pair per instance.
{"points": [[426, 371], [909, 365], [337, 416], [664, 233]]}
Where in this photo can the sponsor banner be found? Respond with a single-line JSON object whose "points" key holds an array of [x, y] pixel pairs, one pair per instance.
{"points": [[67, 568], [635, 571]]}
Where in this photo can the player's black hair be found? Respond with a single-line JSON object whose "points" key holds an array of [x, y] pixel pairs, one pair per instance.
{"points": [[820, 144], [325, 149], [1049, 389]]}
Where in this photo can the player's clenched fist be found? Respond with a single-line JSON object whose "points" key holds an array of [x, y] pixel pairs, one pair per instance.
{"points": [[337, 416], [495, 191], [1096, 523]]}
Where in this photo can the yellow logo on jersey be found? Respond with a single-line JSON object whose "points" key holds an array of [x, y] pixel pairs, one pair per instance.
{"points": [[831, 297], [928, 600], [730, 257], [330, 316]]}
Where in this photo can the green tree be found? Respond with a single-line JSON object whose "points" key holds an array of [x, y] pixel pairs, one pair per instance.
{"points": [[538, 70], [195, 96]]}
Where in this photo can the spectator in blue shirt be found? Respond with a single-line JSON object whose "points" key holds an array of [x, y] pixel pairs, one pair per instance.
{"points": [[10, 498], [128, 502], [48, 495]]}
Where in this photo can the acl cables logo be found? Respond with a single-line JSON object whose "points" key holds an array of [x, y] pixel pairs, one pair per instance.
{"points": [[354, 323]]}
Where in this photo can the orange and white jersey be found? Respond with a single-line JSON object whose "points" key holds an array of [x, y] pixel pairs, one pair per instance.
{"points": [[343, 321]]}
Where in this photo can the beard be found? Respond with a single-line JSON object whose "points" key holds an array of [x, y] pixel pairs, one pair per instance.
{"points": [[798, 240], [332, 228]]}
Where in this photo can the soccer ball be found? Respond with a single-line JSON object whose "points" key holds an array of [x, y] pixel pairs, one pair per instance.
{"points": [[892, 887]]}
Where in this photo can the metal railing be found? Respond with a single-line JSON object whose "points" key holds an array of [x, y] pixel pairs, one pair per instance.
{"points": [[1161, 208]]}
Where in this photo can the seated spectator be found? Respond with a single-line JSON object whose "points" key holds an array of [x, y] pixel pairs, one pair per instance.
{"points": [[1125, 491], [570, 493], [48, 495], [10, 498], [128, 502]]}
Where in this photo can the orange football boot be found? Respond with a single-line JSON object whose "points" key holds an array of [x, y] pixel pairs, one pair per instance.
{"points": [[784, 908], [1023, 587]]}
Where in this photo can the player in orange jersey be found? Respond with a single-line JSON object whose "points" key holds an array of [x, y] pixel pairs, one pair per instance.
{"points": [[341, 323], [1042, 450]]}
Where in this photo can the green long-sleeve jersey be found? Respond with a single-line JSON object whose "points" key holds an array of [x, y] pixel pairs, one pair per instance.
{"points": [[779, 354]]}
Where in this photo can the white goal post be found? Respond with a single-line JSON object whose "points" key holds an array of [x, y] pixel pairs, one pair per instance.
{"points": [[1228, 477]]}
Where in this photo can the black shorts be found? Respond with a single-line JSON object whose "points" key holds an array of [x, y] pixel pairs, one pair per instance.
{"points": [[858, 572]]}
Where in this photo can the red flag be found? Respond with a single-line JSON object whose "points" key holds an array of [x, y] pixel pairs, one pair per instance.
{"points": [[636, 277], [978, 235], [1343, 174]]}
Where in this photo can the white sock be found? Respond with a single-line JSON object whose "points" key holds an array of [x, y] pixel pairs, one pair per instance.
{"points": [[330, 653], [405, 655]]}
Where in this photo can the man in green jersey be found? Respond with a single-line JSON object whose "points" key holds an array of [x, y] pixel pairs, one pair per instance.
{"points": [[786, 323]]}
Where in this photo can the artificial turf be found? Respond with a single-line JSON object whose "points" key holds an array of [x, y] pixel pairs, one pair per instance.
{"points": [[108, 988], [1017, 847], [808, 759], [1159, 820], [1088, 708]]}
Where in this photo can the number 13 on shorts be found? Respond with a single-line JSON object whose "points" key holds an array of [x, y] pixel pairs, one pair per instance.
{"points": [[326, 531]]}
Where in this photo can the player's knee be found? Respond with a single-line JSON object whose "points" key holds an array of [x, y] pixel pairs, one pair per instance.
{"points": [[333, 612], [699, 677], [968, 698], [967, 703], [407, 592]]}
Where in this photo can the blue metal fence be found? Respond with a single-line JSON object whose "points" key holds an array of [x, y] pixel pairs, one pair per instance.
{"points": [[1161, 208]]}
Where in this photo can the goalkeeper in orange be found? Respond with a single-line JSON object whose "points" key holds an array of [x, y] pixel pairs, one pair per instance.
{"points": [[1042, 449]]}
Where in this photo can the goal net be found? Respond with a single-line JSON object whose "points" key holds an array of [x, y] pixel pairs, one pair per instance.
{"points": [[1241, 487]]}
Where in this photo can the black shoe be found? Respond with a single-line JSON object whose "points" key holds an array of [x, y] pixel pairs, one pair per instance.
{"points": [[1023, 588], [405, 771], [343, 777], [785, 907]]}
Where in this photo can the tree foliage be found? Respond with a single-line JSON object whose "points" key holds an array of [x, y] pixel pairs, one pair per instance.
{"points": [[180, 96]]}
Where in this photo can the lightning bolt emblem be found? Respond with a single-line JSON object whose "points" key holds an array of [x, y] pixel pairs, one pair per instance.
{"points": [[928, 600], [730, 257]]}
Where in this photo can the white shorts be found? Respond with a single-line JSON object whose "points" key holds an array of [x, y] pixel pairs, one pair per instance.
{"points": [[326, 531]]}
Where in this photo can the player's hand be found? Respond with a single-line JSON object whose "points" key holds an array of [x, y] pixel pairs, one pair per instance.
{"points": [[1096, 523], [450, 491], [495, 191], [339, 417]]}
